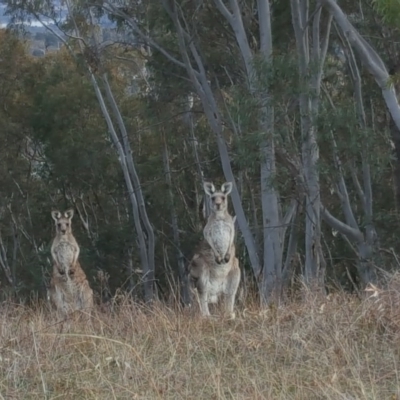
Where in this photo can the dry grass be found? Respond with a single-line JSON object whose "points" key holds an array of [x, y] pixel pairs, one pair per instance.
{"points": [[319, 348]]}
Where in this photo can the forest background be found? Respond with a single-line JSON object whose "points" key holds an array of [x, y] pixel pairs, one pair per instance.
{"points": [[294, 101]]}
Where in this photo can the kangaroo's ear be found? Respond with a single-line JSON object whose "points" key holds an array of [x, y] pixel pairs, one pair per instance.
{"points": [[226, 188], [209, 188], [56, 215], [69, 213]]}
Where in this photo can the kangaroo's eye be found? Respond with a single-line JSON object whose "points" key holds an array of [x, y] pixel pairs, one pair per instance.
{"points": [[62, 272], [223, 198], [67, 225], [71, 272], [59, 225]]}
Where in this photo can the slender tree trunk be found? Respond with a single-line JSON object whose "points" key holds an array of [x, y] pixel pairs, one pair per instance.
{"points": [[203, 89], [291, 249], [149, 275], [148, 284], [188, 118], [271, 280], [147, 265], [272, 260], [183, 278], [310, 81]]}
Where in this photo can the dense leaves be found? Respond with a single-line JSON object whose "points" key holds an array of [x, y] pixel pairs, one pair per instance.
{"points": [[55, 148]]}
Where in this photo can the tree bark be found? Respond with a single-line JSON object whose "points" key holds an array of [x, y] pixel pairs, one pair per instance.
{"points": [[310, 81], [185, 293]]}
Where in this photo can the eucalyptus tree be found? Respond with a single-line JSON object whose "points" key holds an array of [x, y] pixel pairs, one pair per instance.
{"points": [[79, 35], [311, 58], [192, 60], [352, 39]]}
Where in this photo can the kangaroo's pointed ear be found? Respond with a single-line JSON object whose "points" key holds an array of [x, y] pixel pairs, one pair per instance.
{"points": [[226, 188], [56, 215], [69, 213], [209, 188]]}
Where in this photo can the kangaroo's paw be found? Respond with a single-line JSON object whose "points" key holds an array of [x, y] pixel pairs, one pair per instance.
{"points": [[227, 257], [218, 259]]}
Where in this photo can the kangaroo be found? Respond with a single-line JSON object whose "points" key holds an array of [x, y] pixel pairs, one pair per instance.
{"points": [[69, 288], [211, 279], [219, 231]]}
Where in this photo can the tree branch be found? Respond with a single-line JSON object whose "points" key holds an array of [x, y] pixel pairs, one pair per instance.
{"points": [[370, 58], [236, 22], [147, 39], [351, 233], [344, 198], [224, 11]]}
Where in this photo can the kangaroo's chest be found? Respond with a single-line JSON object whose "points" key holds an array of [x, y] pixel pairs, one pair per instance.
{"points": [[220, 233], [65, 253]]}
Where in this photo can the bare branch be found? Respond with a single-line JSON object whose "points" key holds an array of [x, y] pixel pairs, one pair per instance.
{"points": [[212, 112], [147, 39], [289, 215], [351, 233], [236, 22], [345, 200], [365, 50], [325, 40], [366, 198], [358, 187], [319, 51], [370, 58], [316, 49], [224, 11]]}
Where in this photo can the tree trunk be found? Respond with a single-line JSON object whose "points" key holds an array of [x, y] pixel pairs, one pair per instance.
{"points": [[310, 82], [183, 278], [149, 275]]}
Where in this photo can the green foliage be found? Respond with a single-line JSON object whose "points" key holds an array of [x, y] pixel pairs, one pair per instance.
{"points": [[389, 10], [50, 107]]}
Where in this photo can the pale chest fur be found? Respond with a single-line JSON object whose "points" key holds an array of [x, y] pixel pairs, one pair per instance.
{"points": [[64, 252], [219, 232]]}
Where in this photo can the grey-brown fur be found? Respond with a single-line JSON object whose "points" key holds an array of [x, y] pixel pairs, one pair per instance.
{"points": [[69, 288], [70, 292], [219, 231], [211, 280]]}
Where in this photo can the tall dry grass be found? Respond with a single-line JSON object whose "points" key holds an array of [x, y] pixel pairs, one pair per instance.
{"points": [[335, 347]]}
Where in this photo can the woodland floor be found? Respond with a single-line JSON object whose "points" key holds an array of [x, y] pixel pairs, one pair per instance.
{"points": [[335, 347]]}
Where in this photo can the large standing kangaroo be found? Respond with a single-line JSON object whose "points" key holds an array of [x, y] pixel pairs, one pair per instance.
{"points": [[214, 269]]}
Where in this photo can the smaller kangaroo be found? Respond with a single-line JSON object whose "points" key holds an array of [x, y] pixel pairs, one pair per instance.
{"points": [[69, 288], [219, 231]]}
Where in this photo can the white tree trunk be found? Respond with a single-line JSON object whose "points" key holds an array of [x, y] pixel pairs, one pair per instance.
{"points": [[310, 81]]}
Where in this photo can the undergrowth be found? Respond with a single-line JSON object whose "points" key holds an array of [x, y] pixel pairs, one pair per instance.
{"points": [[318, 347]]}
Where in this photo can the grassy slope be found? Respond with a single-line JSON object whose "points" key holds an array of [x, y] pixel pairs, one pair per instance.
{"points": [[327, 348]]}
